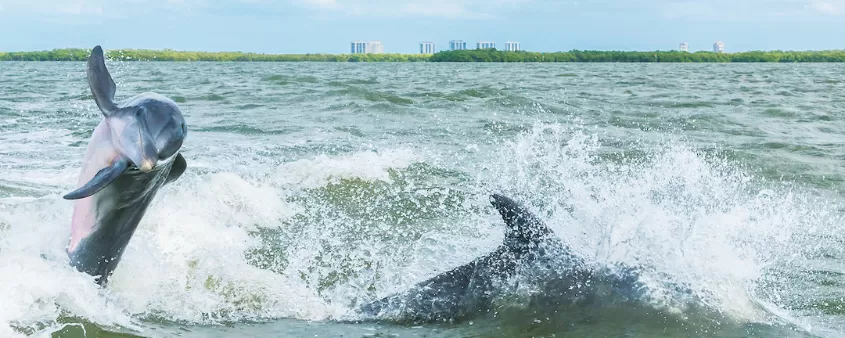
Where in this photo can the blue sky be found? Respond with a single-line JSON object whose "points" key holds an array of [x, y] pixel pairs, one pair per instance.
{"points": [[328, 26]]}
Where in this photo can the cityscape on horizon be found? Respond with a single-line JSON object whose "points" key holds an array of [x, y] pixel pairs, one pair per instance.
{"points": [[428, 47], [718, 47]]}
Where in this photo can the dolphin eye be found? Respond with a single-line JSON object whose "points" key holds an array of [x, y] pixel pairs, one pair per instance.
{"points": [[139, 112]]}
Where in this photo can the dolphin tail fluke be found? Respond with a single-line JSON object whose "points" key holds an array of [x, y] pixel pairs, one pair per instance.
{"points": [[100, 81], [524, 227], [103, 178]]}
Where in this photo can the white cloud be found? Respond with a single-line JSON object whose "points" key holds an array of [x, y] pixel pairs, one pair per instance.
{"points": [[323, 4], [747, 10], [400, 8], [705, 10], [829, 7], [67, 7], [384, 8], [106, 8]]}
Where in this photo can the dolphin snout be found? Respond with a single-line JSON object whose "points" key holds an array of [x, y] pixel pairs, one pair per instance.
{"points": [[147, 152], [147, 166]]}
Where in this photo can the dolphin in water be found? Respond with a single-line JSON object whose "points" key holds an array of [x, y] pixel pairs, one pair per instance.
{"points": [[530, 253], [133, 152]]}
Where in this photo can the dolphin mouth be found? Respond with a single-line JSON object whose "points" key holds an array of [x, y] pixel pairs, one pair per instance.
{"points": [[134, 169], [153, 165]]}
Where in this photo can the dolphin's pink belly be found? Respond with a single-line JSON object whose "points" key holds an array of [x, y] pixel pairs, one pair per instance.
{"points": [[100, 154]]}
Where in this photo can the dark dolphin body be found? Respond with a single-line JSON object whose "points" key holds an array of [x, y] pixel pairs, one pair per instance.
{"points": [[531, 253], [132, 153]]}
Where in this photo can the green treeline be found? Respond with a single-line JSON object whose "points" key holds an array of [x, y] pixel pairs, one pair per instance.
{"points": [[492, 55], [171, 55], [486, 55]]}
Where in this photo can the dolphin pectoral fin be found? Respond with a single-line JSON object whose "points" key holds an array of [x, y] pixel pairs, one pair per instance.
{"points": [[179, 166], [100, 81], [103, 178]]}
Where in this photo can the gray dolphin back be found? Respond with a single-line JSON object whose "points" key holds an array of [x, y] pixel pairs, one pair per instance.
{"points": [[468, 289], [530, 254]]}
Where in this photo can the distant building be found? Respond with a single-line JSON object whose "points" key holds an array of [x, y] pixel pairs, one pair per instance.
{"points": [[359, 47], [684, 47], [485, 45], [512, 46], [457, 45], [427, 48], [718, 47], [375, 47], [372, 47]]}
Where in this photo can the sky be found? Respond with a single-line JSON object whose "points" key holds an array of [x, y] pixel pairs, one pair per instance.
{"points": [[328, 26]]}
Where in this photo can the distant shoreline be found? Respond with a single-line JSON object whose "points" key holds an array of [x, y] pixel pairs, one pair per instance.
{"points": [[445, 56]]}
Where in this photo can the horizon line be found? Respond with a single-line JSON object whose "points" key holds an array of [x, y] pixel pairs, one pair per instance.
{"points": [[445, 50]]}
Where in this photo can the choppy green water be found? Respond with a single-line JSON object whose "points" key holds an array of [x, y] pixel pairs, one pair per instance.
{"points": [[314, 187]]}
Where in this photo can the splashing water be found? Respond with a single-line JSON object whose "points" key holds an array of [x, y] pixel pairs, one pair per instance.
{"points": [[255, 234], [687, 218]]}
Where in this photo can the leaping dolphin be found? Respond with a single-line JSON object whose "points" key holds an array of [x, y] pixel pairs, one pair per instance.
{"points": [[133, 152], [530, 251]]}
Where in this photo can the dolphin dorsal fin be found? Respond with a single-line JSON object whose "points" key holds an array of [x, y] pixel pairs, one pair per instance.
{"points": [[523, 227], [100, 81]]}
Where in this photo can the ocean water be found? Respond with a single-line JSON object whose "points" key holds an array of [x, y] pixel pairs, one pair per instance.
{"points": [[313, 187]]}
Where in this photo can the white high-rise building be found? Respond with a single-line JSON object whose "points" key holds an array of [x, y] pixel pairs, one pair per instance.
{"points": [[375, 47], [372, 47], [359, 47], [718, 47], [485, 45], [684, 47], [457, 45], [427, 48], [512, 46]]}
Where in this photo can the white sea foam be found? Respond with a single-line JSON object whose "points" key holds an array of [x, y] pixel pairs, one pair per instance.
{"points": [[690, 219]]}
